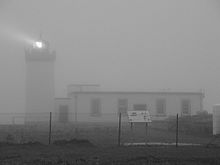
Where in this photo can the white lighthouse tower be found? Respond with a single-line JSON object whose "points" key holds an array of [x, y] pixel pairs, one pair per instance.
{"points": [[39, 81]]}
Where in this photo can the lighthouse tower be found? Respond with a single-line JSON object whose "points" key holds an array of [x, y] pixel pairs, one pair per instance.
{"points": [[39, 81]]}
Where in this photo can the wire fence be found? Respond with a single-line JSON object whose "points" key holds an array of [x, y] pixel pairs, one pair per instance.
{"points": [[105, 130]]}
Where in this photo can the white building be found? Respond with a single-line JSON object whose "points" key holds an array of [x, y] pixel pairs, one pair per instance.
{"points": [[104, 105]]}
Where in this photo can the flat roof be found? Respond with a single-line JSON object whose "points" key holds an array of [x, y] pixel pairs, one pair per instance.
{"points": [[63, 98], [137, 92]]}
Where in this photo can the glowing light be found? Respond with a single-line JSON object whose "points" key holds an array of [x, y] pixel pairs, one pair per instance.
{"points": [[38, 44]]}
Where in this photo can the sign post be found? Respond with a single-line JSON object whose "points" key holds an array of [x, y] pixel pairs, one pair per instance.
{"points": [[146, 130], [132, 132], [139, 117]]}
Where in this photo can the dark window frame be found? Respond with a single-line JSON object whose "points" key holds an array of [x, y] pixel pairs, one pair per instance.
{"points": [[186, 104], [139, 107], [63, 113], [161, 107], [123, 106], [95, 107]]}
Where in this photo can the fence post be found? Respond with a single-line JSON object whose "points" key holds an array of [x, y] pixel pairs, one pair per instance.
{"points": [[119, 130], [50, 127], [146, 129], [75, 114], [177, 131]]}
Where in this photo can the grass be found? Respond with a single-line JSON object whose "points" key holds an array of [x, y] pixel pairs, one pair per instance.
{"points": [[72, 154], [31, 146], [98, 134]]}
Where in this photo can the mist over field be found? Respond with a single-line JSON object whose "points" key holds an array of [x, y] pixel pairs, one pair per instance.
{"points": [[123, 45]]}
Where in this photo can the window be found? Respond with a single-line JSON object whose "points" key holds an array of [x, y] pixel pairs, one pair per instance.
{"points": [[63, 113], [140, 107], [122, 106], [96, 107], [161, 107], [186, 107]]}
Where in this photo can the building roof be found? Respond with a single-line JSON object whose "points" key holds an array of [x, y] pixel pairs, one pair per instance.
{"points": [[138, 92], [62, 98]]}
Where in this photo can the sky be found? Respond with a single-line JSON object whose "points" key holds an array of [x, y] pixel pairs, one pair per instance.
{"points": [[123, 45]]}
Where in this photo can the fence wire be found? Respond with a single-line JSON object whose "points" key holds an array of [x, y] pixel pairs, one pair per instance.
{"points": [[102, 130]]}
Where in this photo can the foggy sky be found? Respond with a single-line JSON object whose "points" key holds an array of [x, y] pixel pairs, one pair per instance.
{"points": [[120, 44]]}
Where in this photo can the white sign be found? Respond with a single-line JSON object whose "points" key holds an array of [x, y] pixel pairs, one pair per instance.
{"points": [[139, 116]]}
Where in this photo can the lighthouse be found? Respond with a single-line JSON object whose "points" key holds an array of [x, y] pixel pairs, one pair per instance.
{"points": [[39, 81]]}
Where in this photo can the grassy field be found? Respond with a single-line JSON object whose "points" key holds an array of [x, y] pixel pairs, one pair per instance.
{"points": [[71, 154], [99, 134], [27, 144]]}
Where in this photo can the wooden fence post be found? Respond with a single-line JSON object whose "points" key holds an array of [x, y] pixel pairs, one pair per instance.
{"points": [[50, 127], [119, 130], [177, 129]]}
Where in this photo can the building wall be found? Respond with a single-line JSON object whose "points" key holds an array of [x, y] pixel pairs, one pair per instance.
{"points": [[59, 103], [109, 102], [39, 84]]}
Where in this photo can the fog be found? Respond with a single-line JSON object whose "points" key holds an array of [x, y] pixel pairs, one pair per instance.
{"points": [[123, 45]]}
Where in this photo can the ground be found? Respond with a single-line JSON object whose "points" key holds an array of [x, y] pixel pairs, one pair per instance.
{"points": [[29, 145], [35, 154]]}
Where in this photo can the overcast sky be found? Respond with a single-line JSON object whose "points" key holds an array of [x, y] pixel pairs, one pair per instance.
{"points": [[120, 44]]}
